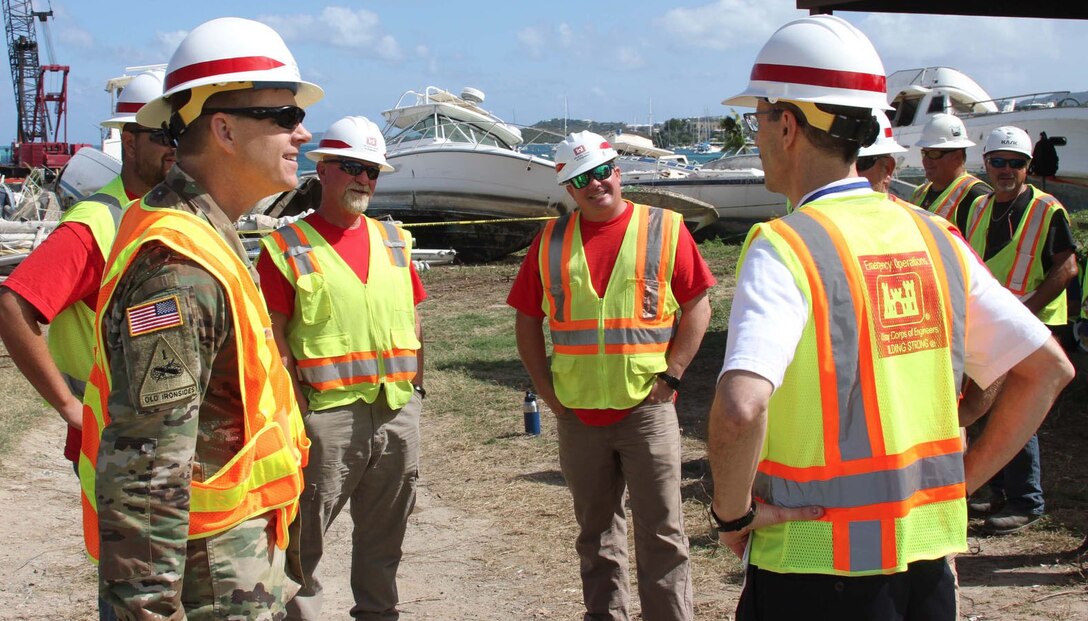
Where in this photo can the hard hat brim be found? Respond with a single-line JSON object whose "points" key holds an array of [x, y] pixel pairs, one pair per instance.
{"points": [[354, 154], [157, 111], [119, 121], [944, 146]]}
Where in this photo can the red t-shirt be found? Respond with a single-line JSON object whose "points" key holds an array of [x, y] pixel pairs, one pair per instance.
{"points": [[601, 240], [353, 245]]}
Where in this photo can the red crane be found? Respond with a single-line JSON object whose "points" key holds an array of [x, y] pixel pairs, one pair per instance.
{"points": [[42, 139]]}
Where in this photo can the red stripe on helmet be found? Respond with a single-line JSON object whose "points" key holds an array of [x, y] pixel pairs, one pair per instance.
{"points": [[605, 145], [128, 106], [819, 77], [222, 66], [327, 143], [559, 166]]}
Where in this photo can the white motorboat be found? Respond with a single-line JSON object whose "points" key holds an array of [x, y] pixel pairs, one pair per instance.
{"points": [[918, 94], [458, 163], [640, 159]]}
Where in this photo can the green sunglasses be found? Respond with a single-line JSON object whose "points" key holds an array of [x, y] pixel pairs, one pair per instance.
{"points": [[600, 173]]}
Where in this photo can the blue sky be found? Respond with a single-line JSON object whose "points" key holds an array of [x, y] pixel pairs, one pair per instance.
{"points": [[608, 61]]}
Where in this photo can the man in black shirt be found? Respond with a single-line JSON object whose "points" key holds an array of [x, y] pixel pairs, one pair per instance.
{"points": [[1023, 235]]}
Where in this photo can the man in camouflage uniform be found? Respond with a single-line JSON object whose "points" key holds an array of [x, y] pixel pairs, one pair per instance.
{"points": [[177, 405]]}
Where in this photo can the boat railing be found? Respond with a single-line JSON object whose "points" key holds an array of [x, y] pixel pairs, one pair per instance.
{"points": [[454, 133], [1033, 101]]}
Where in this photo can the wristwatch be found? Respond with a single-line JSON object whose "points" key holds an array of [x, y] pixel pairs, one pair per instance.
{"points": [[670, 381], [733, 526], [420, 390]]}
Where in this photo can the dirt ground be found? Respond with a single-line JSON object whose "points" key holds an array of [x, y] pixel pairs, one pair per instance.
{"points": [[492, 535]]}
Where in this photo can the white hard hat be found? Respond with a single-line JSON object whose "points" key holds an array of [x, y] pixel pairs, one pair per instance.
{"points": [[356, 137], [944, 131], [229, 53], [579, 152], [819, 59], [140, 90], [885, 140], [1008, 138]]}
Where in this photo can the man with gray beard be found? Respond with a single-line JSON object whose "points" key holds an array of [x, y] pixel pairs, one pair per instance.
{"points": [[342, 292]]}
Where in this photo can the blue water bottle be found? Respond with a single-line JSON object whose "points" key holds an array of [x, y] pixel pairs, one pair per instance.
{"points": [[532, 414]]}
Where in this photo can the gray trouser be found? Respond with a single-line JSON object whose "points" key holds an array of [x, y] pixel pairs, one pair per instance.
{"points": [[368, 454], [641, 453]]}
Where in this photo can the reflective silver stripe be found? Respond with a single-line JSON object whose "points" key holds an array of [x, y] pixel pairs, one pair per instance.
{"points": [[78, 387], [957, 294], [637, 336], [842, 324], [297, 253], [574, 337], [555, 266], [1021, 266], [977, 214], [650, 294], [396, 245], [342, 371], [400, 364], [867, 488], [866, 543], [110, 201]]}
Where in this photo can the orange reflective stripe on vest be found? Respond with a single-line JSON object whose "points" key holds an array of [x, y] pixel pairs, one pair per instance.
{"points": [[863, 487], [266, 474]]}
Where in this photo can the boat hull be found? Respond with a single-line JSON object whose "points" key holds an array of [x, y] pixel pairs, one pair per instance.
{"points": [[740, 200]]}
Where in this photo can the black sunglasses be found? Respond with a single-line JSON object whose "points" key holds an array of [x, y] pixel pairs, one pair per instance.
{"points": [[1015, 163], [867, 162], [287, 117], [354, 169], [600, 173], [159, 136]]}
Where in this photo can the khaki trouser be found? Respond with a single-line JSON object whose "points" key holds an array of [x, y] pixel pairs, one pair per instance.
{"points": [[641, 453], [368, 454]]}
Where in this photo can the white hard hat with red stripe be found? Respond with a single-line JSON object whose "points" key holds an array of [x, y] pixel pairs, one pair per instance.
{"points": [[885, 140], [579, 152], [1008, 138], [355, 137], [140, 90], [228, 53], [819, 59], [944, 131]]}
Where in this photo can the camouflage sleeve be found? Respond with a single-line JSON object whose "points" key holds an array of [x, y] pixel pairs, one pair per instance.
{"points": [[163, 328]]}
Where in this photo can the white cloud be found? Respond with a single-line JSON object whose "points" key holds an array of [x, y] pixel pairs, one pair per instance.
{"points": [[356, 29], [532, 40], [566, 34], [629, 58], [167, 42], [73, 36], [726, 24]]}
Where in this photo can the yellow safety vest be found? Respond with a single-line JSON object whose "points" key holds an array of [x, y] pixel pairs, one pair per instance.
{"points": [[607, 351], [266, 474], [1019, 265], [946, 205], [349, 338], [865, 421], [71, 333]]}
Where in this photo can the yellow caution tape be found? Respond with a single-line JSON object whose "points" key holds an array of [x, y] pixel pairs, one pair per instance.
{"points": [[261, 232]]}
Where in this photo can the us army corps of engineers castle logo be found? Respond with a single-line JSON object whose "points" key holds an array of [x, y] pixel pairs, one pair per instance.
{"points": [[903, 291]]}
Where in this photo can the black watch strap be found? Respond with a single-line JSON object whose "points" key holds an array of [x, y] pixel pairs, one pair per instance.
{"points": [[733, 526], [421, 390], [670, 381]]}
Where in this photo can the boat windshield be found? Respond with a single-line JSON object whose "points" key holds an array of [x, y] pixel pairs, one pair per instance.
{"points": [[441, 128]]}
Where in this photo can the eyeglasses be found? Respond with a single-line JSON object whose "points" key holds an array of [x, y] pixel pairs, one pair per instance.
{"points": [[751, 119], [354, 169], [934, 154], [287, 117], [158, 136], [1015, 163], [867, 162], [599, 173]]}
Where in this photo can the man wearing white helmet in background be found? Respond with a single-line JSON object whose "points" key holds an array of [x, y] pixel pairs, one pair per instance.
{"points": [[876, 162], [193, 446], [839, 473], [342, 292], [1023, 235], [949, 189], [58, 282], [611, 277]]}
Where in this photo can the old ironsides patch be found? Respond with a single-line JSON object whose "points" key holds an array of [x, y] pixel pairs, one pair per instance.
{"points": [[167, 379], [903, 290]]}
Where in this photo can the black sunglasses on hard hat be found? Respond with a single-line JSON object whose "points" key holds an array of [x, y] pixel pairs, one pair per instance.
{"points": [[600, 173], [354, 169], [287, 117], [1015, 163]]}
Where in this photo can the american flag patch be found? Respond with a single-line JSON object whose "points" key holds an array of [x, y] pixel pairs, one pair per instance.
{"points": [[154, 315]]}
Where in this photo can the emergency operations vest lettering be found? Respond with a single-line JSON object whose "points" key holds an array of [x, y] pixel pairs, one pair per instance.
{"points": [[71, 333], [1019, 265], [946, 202], [266, 474], [349, 338], [851, 428], [607, 351]]}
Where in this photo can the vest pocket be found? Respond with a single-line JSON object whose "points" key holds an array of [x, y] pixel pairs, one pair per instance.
{"points": [[404, 338], [325, 346], [642, 366], [314, 299]]}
